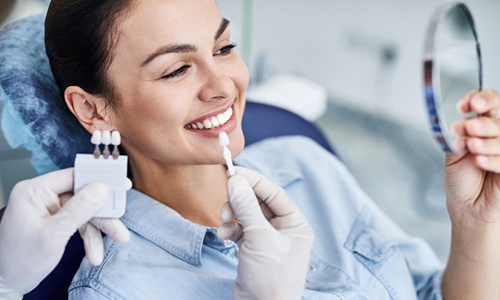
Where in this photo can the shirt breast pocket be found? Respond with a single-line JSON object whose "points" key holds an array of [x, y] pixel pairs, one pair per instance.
{"points": [[374, 241], [325, 281]]}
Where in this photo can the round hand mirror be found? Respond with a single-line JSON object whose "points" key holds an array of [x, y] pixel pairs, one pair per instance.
{"points": [[452, 67]]}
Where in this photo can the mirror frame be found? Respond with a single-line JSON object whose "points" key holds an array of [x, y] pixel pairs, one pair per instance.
{"points": [[431, 72]]}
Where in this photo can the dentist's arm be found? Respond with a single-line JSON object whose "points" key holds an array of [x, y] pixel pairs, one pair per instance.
{"points": [[274, 238], [38, 222]]}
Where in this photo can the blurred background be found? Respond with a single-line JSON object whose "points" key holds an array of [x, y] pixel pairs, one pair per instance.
{"points": [[355, 69]]}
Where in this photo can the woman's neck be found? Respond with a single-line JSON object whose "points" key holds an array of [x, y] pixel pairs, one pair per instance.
{"points": [[196, 192]]}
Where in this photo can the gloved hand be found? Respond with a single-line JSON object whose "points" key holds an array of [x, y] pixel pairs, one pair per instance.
{"points": [[274, 238], [40, 218]]}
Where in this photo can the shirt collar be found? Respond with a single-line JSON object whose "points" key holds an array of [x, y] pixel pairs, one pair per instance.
{"points": [[165, 227]]}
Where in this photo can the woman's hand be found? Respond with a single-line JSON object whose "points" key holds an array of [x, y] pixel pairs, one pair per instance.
{"points": [[472, 179], [472, 185]]}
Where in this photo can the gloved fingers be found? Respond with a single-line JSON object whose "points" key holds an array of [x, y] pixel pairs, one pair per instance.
{"points": [[272, 194], [230, 231], [268, 213], [41, 194], [92, 241], [65, 197], [114, 228], [244, 203], [300, 232], [58, 182], [52, 205], [226, 213], [292, 220], [128, 184], [49, 186], [80, 208]]}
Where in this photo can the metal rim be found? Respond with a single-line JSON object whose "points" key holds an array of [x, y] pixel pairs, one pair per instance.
{"points": [[431, 70]]}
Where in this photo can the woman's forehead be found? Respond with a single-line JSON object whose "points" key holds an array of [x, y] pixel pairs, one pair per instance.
{"points": [[151, 24], [150, 13], [160, 20]]}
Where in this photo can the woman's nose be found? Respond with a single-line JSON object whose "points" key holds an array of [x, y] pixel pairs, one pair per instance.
{"points": [[217, 84]]}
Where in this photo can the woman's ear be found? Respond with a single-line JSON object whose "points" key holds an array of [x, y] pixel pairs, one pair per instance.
{"points": [[88, 109]]}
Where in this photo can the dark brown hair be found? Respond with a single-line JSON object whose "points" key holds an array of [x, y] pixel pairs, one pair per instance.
{"points": [[79, 38]]}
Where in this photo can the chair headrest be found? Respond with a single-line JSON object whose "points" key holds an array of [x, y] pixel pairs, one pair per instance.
{"points": [[35, 115]]}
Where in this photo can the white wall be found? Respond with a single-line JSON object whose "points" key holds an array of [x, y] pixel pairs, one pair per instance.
{"points": [[22, 8], [338, 44]]}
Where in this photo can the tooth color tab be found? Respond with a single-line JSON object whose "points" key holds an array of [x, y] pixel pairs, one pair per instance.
{"points": [[116, 138], [96, 137], [223, 139], [223, 142], [106, 137]]}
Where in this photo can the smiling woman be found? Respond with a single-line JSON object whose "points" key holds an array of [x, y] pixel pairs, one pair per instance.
{"points": [[167, 77]]}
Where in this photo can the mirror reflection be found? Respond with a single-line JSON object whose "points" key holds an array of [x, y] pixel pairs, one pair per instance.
{"points": [[452, 68]]}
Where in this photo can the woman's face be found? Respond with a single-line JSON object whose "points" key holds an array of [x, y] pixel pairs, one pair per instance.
{"points": [[179, 81]]}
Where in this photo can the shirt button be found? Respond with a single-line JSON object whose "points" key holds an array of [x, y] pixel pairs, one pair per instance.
{"points": [[210, 236], [313, 267]]}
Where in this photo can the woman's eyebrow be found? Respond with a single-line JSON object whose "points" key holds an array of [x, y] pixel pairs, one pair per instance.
{"points": [[182, 48], [222, 27], [176, 48]]}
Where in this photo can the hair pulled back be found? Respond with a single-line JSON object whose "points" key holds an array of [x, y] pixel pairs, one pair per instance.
{"points": [[79, 38]]}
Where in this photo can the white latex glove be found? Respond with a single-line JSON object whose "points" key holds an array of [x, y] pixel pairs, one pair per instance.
{"points": [[274, 238], [38, 222]]}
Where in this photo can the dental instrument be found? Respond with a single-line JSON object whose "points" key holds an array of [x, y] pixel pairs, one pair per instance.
{"points": [[223, 142], [100, 168]]}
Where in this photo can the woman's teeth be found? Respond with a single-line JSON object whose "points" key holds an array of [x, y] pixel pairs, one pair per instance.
{"points": [[213, 122]]}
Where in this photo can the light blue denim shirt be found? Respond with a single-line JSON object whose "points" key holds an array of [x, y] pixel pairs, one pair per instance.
{"points": [[358, 252]]}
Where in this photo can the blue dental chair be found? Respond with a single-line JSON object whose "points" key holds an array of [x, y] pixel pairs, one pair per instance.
{"points": [[32, 102]]}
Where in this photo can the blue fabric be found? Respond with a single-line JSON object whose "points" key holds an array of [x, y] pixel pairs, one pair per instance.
{"points": [[35, 115], [265, 121], [358, 252]]}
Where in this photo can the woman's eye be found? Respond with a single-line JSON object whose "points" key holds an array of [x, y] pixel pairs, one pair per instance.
{"points": [[225, 50], [177, 72]]}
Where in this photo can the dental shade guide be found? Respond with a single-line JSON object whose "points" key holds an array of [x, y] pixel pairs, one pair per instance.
{"points": [[115, 140], [223, 142], [110, 171], [106, 140], [96, 140]]}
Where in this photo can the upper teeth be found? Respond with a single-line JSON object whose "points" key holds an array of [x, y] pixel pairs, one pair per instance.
{"points": [[214, 121]]}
